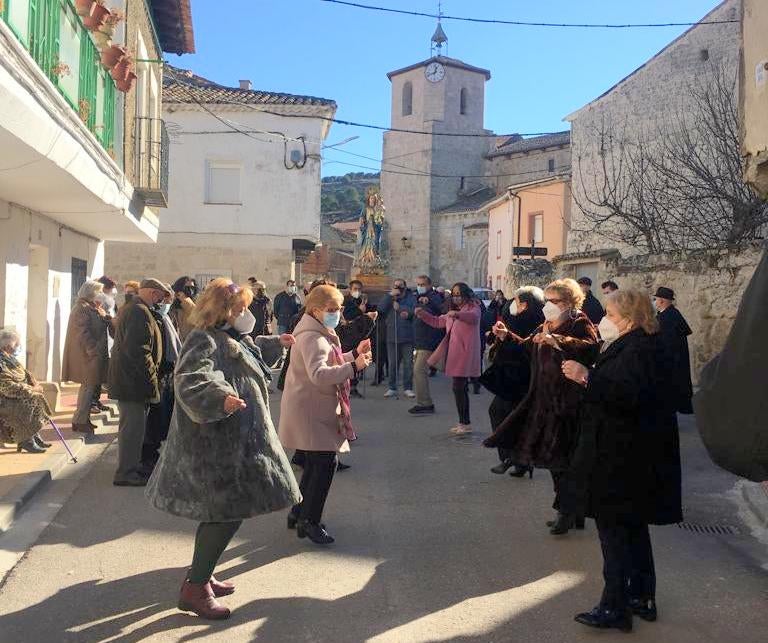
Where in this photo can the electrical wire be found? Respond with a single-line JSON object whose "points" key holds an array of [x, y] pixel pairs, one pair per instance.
{"points": [[523, 23]]}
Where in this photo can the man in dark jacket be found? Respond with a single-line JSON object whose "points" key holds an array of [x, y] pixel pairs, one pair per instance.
{"points": [[425, 340], [591, 307], [261, 308], [286, 306], [673, 334], [133, 377], [397, 310]]}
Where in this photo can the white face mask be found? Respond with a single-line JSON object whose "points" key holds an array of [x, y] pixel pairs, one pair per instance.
{"points": [[292, 290], [552, 312], [355, 294], [608, 330], [513, 307], [245, 322]]}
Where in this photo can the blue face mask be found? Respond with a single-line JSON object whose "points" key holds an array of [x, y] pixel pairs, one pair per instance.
{"points": [[163, 309], [331, 320], [17, 352], [422, 290]]}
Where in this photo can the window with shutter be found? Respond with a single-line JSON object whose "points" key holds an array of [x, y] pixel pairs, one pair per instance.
{"points": [[223, 183]]}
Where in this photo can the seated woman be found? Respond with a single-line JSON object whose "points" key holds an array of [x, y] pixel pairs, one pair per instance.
{"points": [[222, 461], [23, 408], [629, 456]]}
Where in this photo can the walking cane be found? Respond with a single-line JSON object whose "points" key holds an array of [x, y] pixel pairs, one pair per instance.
{"points": [[61, 437], [397, 352]]}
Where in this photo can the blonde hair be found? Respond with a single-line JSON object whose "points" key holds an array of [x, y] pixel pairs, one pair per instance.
{"points": [[320, 296], [568, 290], [132, 284], [635, 305], [215, 305]]}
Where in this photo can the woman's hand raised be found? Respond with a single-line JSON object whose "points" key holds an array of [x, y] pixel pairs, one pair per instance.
{"points": [[500, 330], [364, 346], [575, 372], [363, 360], [287, 340], [233, 404]]}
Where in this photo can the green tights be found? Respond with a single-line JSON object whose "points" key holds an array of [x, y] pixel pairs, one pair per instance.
{"points": [[210, 542]]}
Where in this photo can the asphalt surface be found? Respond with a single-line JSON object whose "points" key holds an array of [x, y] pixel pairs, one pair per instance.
{"points": [[430, 547]]}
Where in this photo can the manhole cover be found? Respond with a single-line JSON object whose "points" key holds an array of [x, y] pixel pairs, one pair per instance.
{"points": [[717, 530]]}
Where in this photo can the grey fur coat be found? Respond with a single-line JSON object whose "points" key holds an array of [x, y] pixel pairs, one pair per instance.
{"points": [[214, 467]]}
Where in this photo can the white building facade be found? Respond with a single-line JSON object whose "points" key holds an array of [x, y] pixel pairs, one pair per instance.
{"points": [[63, 189], [244, 187]]}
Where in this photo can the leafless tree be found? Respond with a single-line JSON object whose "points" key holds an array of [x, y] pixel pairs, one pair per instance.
{"points": [[676, 187]]}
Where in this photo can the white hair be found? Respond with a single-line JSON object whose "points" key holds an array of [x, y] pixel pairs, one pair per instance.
{"points": [[530, 293], [90, 289], [8, 338], [107, 302]]}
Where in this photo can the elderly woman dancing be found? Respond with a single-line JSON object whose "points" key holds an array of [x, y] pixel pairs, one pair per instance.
{"points": [[23, 408], [222, 461]]}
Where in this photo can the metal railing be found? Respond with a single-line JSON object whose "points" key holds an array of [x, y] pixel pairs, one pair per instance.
{"points": [[150, 151], [62, 47]]}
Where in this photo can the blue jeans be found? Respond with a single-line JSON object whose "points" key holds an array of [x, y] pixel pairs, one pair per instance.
{"points": [[281, 330], [397, 354]]}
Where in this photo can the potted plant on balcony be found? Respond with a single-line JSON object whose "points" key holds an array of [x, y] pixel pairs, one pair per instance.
{"points": [[123, 74], [83, 7], [84, 109], [98, 16], [60, 69], [103, 36], [112, 55]]}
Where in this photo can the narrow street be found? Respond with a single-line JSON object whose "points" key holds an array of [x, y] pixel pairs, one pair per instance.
{"points": [[430, 547]]}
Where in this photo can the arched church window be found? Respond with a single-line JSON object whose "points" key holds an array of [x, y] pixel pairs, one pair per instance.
{"points": [[407, 99], [463, 101]]}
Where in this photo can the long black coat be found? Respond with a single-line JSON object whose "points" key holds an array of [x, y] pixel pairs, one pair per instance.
{"points": [[593, 309], [629, 451], [673, 334]]}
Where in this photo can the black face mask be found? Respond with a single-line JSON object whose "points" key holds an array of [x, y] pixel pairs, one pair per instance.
{"points": [[190, 291], [128, 296]]}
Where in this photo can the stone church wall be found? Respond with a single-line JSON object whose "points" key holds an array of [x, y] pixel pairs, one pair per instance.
{"points": [[503, 171], [645, 102]]}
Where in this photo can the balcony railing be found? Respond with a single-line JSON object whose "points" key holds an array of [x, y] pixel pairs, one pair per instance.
{"points": [[54, 35], [151, 147]]}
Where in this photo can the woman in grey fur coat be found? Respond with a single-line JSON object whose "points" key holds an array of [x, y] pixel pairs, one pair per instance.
{"points": [[222, 461]]}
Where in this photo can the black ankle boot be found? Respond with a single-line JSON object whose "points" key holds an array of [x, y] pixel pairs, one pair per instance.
{"points": [[30, 446], [502, 466], [562, 525], [520, 472], [605, 619], [315, 532], [645, 608], [39, 442]]}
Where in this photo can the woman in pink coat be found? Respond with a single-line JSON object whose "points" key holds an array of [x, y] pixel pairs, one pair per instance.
{"points": [[314, 411], [460, 347]]}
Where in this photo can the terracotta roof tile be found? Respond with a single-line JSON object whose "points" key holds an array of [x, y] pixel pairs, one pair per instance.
{"points": [[533, 143]]}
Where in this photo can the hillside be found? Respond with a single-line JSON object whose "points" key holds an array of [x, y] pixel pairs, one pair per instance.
{"points": [[342, 197]]}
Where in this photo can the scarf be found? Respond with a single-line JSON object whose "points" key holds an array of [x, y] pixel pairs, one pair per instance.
{"points": [[342, 395]]}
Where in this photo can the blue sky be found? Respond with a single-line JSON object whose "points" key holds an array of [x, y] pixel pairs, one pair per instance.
{"points": [[539, 75]]}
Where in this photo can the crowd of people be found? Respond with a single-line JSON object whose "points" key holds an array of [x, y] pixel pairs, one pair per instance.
{"points": [[589, 393]]}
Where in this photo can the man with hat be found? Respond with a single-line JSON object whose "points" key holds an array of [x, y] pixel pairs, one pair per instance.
{"points": [[673, 335], [591, 307], [133, 377]]}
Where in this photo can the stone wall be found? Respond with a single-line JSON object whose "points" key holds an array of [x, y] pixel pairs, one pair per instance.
{"points": [[708, 289], [643, 104]]}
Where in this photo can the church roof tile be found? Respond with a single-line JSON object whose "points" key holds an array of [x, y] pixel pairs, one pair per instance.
{"points": [[516, 145], [470, 202], [445, 60]]}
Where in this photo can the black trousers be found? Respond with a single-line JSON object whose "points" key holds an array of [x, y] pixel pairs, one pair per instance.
{"points": [[628, 568], [158, 423], [461, 393], [498, 411], [319, 468]]}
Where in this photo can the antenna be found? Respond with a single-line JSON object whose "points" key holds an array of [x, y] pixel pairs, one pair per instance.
{"points": [[439, 38]]}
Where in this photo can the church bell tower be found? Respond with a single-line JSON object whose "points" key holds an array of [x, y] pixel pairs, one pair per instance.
{"points": [[425, 165]]}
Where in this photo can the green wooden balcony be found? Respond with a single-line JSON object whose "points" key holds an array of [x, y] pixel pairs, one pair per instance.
{"points": [[54, 35]]}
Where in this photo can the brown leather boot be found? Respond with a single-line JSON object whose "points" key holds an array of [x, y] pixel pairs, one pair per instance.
{"points": [[221, 587], [200, 600]]}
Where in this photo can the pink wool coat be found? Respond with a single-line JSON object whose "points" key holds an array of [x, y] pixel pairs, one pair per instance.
{"points": [[309, 407], [462, 339]]}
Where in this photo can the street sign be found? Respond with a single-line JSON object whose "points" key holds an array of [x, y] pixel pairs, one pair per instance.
{"points": [[522, 251]]}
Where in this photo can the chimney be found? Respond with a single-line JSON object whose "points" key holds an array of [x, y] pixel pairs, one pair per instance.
{"points": [[246, 84]]}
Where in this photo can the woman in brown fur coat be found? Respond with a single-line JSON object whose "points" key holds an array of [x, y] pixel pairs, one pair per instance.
{"points": [[543, 430]]}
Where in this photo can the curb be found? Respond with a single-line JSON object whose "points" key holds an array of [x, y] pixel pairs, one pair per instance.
{"points": [[756, 496], [13, 503]]}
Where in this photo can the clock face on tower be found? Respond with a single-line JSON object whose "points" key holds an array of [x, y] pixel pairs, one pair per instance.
{"points": [[434, 72]]}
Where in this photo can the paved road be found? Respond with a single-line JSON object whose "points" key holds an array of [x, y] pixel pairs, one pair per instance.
{"points": [[430, 547]]}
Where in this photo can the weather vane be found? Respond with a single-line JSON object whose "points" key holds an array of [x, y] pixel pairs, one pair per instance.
{"points": [[439, 38]]}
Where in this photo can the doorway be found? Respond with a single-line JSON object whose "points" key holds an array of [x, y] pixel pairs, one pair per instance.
{"points": [[38, 335]]}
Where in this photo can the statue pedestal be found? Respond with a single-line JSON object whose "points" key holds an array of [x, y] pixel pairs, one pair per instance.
{"points": [[375, 283]]}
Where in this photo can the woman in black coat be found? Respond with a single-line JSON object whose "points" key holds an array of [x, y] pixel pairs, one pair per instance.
{"points": [[628, 455], [512, 366]]}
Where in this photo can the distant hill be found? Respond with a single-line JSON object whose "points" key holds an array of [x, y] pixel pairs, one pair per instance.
{"points": [[342, 197]]}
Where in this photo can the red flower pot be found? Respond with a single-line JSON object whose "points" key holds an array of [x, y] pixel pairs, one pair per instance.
{"points": [[96, 19], [112, 56], [121, 69], [126, 84], [83, 7]]}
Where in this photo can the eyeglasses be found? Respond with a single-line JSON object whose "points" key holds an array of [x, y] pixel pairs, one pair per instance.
{"points": [[554, 301]]}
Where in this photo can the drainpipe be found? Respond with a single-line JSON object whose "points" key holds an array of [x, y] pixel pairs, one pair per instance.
{"points": [[515, 195]]}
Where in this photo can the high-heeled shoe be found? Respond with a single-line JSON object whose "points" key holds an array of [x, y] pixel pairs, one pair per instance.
{"points": [[39, 442], [562, 524], [520, 471], [314, 531], [30, 446]]}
